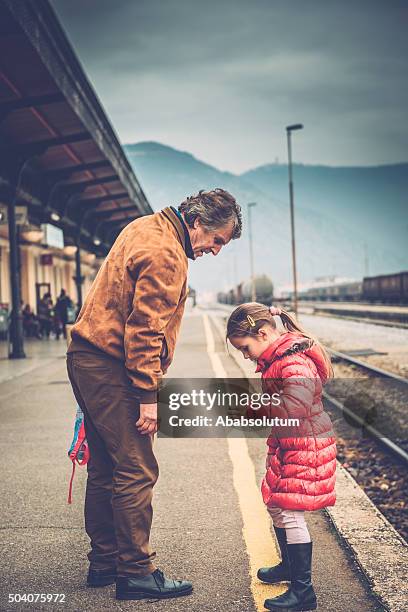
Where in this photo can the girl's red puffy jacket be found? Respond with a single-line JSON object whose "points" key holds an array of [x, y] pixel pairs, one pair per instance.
{"points": [[300, 469]]}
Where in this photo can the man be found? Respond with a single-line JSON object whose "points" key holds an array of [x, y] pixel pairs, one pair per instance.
{"points": [[122, 344], [61, 313]]}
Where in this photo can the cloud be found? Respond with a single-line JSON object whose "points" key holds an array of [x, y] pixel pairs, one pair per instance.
{"points": [[223, 78]]}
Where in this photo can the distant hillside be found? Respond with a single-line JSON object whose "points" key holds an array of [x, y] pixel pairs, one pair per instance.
{"points": [[374, 198], [168, 175], [338, 210]]}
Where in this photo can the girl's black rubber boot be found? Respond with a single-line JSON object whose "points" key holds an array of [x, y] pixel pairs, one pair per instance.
{"points": [[281, 572], [301, 595]]}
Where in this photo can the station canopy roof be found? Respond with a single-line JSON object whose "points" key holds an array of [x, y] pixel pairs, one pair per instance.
{"points": [[59, 154]]}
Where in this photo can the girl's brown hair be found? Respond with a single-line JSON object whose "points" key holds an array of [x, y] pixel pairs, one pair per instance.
{"points": [[247, 319]]}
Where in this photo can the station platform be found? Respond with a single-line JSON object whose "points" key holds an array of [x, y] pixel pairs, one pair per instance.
{"points": [[209, 525], [39, 353]]}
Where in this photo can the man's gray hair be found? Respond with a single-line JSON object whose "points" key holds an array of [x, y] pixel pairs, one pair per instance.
{"points": [[215, 209]]}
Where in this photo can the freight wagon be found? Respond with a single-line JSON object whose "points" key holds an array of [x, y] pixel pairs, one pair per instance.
{"points": [[386, 289]]}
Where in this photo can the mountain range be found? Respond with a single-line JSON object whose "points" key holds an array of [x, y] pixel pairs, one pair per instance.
{"points": [[349, 221]]}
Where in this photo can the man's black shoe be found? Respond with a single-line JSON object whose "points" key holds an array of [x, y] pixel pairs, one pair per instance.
{"points": [[101, 578], [152, 586]]}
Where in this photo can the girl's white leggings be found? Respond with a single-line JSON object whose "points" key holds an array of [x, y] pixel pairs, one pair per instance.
{"points": [[293, 521]]}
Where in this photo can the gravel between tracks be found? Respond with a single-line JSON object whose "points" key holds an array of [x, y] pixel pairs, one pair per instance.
{"points": [[380, 475], [350, 335]]}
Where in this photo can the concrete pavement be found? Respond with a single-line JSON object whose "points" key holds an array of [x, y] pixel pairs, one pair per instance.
{"points": [[198, 522], [38, 353]]}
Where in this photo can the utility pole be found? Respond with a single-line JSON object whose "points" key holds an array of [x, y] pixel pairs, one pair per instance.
{"points": [[289, 130], [251, 253]]}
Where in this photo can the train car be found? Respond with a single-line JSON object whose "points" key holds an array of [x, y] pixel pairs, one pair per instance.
{"points": [[243, 292], [263, 290], [405, 287], [383, 289], [386, 288], [345, 292], [339, 292]]}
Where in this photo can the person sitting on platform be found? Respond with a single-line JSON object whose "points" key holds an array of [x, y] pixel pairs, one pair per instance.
{"points": [[31, 325]]}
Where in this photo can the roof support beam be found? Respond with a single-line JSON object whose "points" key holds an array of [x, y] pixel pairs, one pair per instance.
{"points": [[94, 182], [64, 173], [31, 149], [93, 202], [101, 214], [29, 102]]}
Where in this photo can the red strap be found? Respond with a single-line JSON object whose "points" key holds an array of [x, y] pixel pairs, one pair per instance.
{"points": [[84, 461], [70, 483]]}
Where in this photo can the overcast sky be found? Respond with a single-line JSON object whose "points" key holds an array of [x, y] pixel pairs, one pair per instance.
{"points": [[222, 78]]}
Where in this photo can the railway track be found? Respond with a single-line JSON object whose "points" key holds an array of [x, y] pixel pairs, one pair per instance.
{"points": [[397, 451], [377, 463], [385, 442], [345, 317], [366, 366]]}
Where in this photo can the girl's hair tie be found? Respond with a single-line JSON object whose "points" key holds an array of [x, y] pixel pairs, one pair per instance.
{"points": [[250, 321], [275, 312]]}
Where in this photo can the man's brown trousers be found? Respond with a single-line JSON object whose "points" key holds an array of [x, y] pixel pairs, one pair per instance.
{"points": [[122, 469]]}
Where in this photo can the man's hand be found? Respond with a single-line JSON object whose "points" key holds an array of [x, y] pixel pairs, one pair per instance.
{"points": [[147, 423]]}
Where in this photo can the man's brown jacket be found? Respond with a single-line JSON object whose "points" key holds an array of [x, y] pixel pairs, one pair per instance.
{"points": [[134, 308]]}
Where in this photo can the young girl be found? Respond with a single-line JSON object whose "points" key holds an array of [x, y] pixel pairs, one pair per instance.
{"points": [[300, 468]]}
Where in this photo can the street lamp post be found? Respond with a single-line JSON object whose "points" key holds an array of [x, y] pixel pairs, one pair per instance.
{"points": [[251, 252], [78, 279], [289, 130]]}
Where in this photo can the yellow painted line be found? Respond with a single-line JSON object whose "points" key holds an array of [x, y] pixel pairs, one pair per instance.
{"points": [[256, 531]]}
